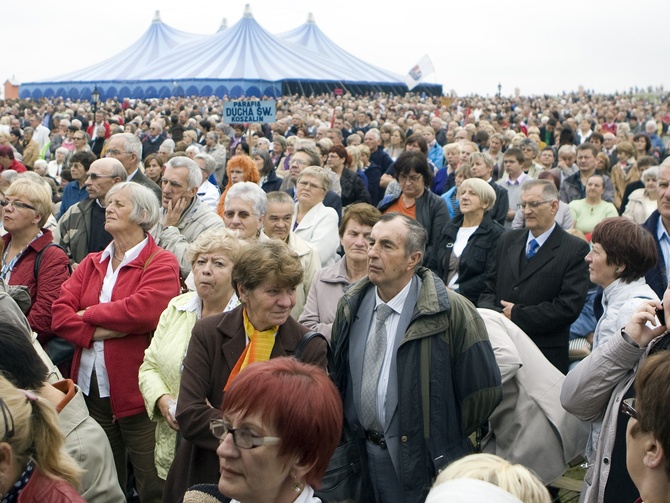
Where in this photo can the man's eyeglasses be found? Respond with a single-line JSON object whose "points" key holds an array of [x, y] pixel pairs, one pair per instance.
{"points": [[628, 408], [113, 152], [17, 204], [533, 205], [241, 438], [79, 138], [95, 176], [8, 419]]}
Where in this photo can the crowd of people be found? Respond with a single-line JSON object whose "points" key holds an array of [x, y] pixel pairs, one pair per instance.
{"points": [[488, 268]]}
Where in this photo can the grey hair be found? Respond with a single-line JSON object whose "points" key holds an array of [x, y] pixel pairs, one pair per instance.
{"points": [[40, 162], [210, 162], [145, 204], [310, 150], [417, 235], [571, 149], [169, 144], [282, 197], [212, 135], [194, 173], [529, 143], [118, 171], [263, 141], [131, 144], [375, 133], [28, 129], [157, 125], [251, 192], [549, 190], [652, 172], [62, 150], [192, 148], [319, 173]]}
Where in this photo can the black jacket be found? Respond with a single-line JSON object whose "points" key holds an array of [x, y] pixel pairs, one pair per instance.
{"points": [[353, 188], [656, 276], [477, 259]]}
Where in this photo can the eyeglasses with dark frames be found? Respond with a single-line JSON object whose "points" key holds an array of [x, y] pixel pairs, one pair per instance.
{"points": [[95, 176], [16, 204], [242, 438], [628, 408]]}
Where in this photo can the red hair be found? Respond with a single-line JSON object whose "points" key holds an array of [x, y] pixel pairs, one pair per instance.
{"points": [[299, 401], [250, 175], [342, 153]]}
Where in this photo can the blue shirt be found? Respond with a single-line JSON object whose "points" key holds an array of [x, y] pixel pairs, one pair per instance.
{"points": [[71, 196], [664, 243]]}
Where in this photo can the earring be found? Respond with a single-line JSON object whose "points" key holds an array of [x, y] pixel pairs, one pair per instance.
{"points": [[618, 270], [298, 487]]}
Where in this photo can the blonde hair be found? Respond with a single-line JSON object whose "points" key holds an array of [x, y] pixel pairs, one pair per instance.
{"points": [[224, 241], [33, 187], [37, 434], [513, 478]]}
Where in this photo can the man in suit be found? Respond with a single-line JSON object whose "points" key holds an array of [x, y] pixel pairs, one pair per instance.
{"points": [[413, 363], [540, 279], [659, 226], [127, 148]]}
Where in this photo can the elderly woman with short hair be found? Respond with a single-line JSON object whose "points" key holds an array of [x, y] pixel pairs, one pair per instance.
{"points": [[108, 310], [464, 254], [27, 207], [240, 168], [212, 255], [416, 200], [264, 277], [643, 202], [312, 221], [245, 206]]}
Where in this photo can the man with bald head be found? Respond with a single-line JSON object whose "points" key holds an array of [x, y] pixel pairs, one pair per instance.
{"points": [[81, 230]]}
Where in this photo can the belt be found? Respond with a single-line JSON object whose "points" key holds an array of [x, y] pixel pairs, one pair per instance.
{"points": [[376, 438]]}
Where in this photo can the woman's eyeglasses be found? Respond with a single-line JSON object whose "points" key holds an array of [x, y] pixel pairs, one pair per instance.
{"points": [[241, 438], [628, 408], [16, 204]]}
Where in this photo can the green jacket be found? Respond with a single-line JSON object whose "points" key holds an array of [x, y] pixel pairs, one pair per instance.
{"points": [[445, 355]]}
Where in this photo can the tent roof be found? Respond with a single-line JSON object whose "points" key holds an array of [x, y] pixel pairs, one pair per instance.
{"points": [[248, 51], [157, 41], [310, 36]]}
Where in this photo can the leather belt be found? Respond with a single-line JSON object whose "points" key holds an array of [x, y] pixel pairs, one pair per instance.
{"points": [[376, 438]]}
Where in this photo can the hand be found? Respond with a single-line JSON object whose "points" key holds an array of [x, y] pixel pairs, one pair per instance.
{"points": [[637, 327], [507, 308], [174, 211], [510, 215], [385, 180], [74, 266], [102, 334], [164, 403]]}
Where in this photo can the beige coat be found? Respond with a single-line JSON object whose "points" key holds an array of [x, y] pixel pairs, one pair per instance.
{"points": [[531, 407]]}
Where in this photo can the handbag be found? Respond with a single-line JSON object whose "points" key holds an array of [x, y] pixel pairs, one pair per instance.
{"points": [[347, 475]]}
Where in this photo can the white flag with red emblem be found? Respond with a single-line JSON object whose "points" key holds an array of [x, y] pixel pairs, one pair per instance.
{"points": [[419, 72]]}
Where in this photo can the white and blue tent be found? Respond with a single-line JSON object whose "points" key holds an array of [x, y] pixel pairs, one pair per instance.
{"points": [[244, 60]]}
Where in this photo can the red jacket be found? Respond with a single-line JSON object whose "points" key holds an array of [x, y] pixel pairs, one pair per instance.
{"points": [[91, 129], [16, 166], [142, 291], [43, 489], [54, 270]]}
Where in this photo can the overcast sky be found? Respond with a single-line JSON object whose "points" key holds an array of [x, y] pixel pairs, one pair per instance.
{"points": [[539, 47]]}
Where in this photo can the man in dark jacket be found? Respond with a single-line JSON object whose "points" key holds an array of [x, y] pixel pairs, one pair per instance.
{"points": [[658, 224], [413, 363], [153, 140]]}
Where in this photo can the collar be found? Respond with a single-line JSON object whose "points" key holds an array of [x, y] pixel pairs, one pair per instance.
{"points": [[397, 302], [518, 181], [542, 238], [129, 256], [130, 176], [661, 231]]}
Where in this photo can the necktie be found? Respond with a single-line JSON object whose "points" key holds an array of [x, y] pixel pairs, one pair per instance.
{"points": [[258, 350], [375, 351], [532, 248]]}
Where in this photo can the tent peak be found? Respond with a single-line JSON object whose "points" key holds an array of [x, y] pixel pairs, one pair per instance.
{"points": [[247, 11], [224, 25], [310, 18], [157, 17]]}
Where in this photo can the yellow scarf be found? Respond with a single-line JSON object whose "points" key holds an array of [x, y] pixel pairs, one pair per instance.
{"points": [[258, 350]]}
